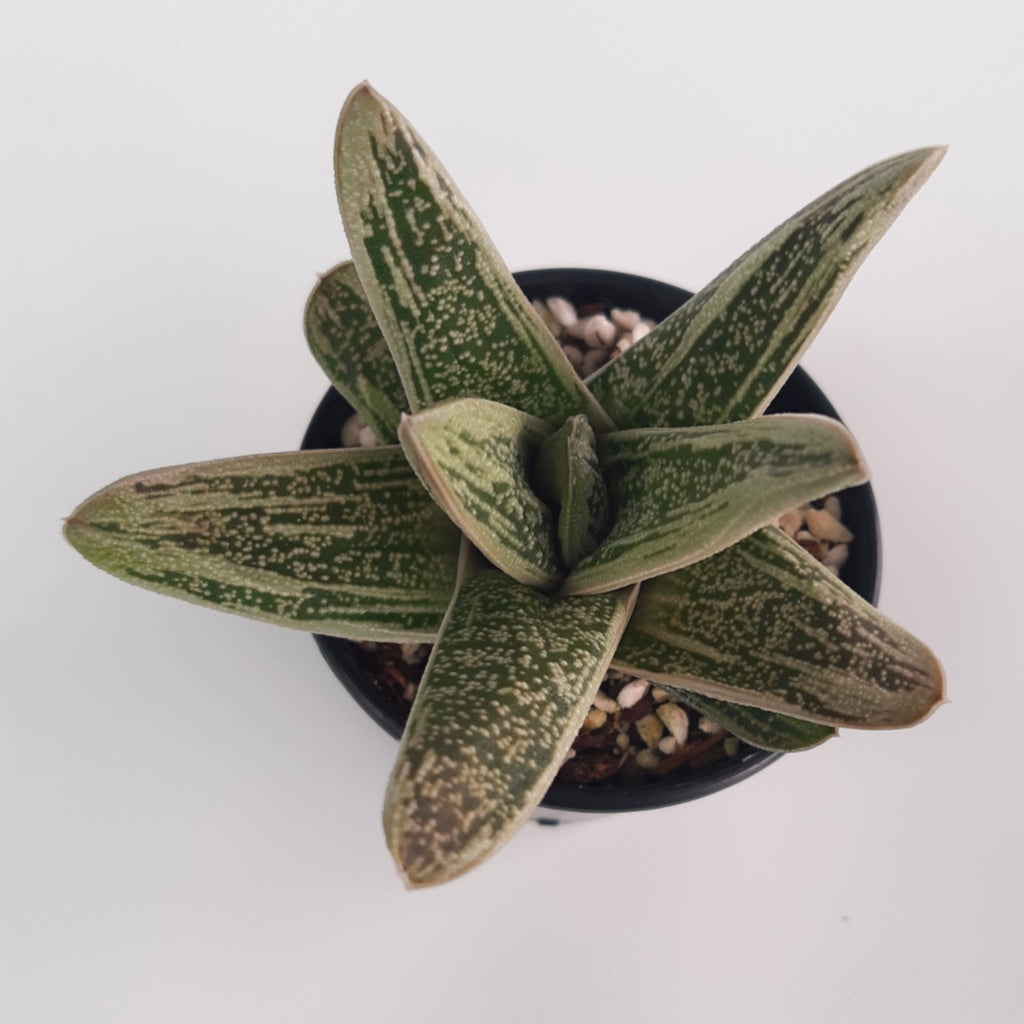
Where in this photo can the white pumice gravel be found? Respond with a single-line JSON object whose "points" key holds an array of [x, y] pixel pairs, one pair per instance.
{"points": [[651, 729], [648, 760], [632, 692], [675, 720], [588, 342]]}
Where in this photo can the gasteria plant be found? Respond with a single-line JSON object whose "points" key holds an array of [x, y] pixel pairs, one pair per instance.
{"points": [[536, 528]]}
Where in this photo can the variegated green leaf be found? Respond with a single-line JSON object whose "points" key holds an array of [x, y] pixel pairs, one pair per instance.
{"points": [[725, 353], [342, 542], [474, 457], [345, 340], [568, 476], [457, 323], [682, 495], [506, 690], [763, 623], [765, 729]]}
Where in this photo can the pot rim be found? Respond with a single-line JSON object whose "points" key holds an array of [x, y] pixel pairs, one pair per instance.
{"points": [[654, 299]]}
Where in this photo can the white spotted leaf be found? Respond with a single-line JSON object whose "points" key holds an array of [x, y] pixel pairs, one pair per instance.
{"points": [[764, 624], [506, 689], [765, 729], [345, 340], [457, 323], [474, 456], [342, 542], [682, 495], [724, 354]]}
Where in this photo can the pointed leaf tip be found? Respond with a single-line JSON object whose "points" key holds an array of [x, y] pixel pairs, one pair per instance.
{"points": [[457, 324], [724, 354]]}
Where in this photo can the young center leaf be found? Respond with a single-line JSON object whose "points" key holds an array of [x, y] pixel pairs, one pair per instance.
{"points": [[567, 475], [345, 340], [506, 689], [474, 457], [341, 542], [682, 495], [724, 354], [457, 323], [759, 624]]}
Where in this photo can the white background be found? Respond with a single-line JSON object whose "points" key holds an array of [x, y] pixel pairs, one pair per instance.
{"points": [[190, 818]]}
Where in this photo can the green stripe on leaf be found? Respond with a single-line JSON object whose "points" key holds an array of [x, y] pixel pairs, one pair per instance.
{"points": [[345, 340], [507, 687], [345, 543], [725, 353], [765, 729], [682, 495], [457, 323], [474, 457], [763, 623]]}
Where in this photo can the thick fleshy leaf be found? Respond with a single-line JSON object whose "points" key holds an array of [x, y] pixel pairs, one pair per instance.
{"points": [[765, 729], [568, 476], [763, 623], [474, 457], [342, 542], [682, 495], [457, 323], [506, 690], [345, 340], [725, 353]]}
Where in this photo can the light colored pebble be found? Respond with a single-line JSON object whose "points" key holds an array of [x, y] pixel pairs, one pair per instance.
{"points": [[570, 755], [675, 720], [650, 729], [640, 331], [606, 331], [595, 719], [708, 725], [833, 507], [658, 694], [607, 704], [592, 331], [667, 745], [790, 522], [731, 746], [825, 526], [625, 319], [648, 760], [632, 692], [367, 438], [622, 741], [350, 431], [409, 693], [413, 653], [562, 310], [836, 556], [577, 329], [623, 344]]}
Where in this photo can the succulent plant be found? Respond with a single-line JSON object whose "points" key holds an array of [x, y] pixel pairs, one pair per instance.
{"points": [[537, 528]]}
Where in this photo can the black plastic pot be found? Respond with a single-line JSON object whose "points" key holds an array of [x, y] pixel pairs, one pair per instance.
{"points": [[862, 572]]}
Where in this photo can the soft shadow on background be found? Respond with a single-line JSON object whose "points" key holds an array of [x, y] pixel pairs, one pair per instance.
{"points": [[191, 807]]}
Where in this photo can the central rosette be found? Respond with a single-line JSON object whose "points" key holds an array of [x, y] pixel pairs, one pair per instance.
{"points": [[560, 507], [528, 495]]}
